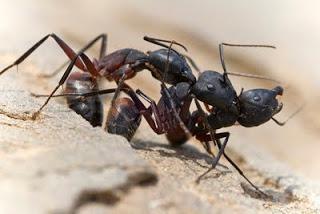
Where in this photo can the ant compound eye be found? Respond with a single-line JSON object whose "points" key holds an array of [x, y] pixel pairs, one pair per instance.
{"points": [[256, 98], [211, 87]]}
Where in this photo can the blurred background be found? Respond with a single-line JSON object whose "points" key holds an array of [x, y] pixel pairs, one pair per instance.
{"points": [[292, 26]]}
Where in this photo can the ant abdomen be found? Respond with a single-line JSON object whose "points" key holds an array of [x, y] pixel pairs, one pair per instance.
{"points": [[123, 118], [90, 108]]}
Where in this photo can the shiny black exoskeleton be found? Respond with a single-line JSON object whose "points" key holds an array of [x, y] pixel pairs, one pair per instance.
{"points": [[124, 118], [90, 108]]}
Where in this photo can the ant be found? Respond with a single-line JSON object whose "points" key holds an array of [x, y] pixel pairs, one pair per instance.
{"points": [[117, 66]]}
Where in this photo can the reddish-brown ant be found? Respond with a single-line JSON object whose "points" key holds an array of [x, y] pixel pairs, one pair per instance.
{"points": [[117, 66]]}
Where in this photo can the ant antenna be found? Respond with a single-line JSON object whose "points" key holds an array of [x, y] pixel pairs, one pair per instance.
{"points": [[291, 116], [159, 42], [221, 53], [192, 63], [253, 76]]}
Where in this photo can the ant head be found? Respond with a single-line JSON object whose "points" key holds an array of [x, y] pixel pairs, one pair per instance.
{"points": [[216, 89], [257, 106], [178, 68]]}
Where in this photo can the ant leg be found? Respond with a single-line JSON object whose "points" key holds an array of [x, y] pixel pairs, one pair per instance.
{"points": [[103, 49], [240, 171], [207, 147], [88, 94], [222, 150], [117, 92], [217, 158], [89, 66], [225, 72], [218, 136], [153, 107], [206, 123], [67, 50]]}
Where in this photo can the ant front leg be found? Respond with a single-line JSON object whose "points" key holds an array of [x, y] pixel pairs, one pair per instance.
{"points": [[222, 151], [152, 109], [240, 171], [215, 161], [67, 50], [103, 49]]}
